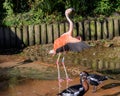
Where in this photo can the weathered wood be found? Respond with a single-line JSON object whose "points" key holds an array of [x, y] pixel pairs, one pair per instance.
{"points": [[2, 42], [116, 29], [47, 33], [110, 28], [94, 65], [86, 30], [100, 65], [92, 30], [7, 37], [25, 35], [61, 28], [106, 65], [112, 65], [43, 34], [31, 34], [117, 66], [80, 29], [19, 37], [105, 30], [66, 26], [119, 26], [98, 30], [55, 31], [50, 34], [13, 37], [37, 34]]}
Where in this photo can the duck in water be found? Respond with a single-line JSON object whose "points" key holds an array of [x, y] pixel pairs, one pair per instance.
{"points": [[77, 90], [95, 79]]}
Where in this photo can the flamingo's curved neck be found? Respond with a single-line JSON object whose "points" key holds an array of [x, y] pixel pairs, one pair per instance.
{"points": [[70, 31]]}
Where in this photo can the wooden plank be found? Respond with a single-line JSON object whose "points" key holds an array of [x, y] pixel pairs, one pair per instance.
{"points": [[25, 35], [50, 34], [94, 65], [74, 30], [80, 29], [7, 37], [100, 65], [117, 66], [55, 31], [13, 37], [98, 30], [92, 30], [66, 27], [105, 31], [86, 30], [119, 26], [112, 65], [61, 28], [37, 34], [31, 34], [116, 27], [43, 33], [19, 37], [110, 28], [2, 42]]}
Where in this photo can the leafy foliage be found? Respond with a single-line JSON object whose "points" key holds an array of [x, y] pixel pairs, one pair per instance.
{"points": [[24, 12], [103, 7]]}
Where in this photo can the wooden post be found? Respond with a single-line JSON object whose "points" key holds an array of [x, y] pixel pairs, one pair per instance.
{"points": [[61, 28], [80, 29], [100, 64], [37, 34], [86, 30], [94, 65], [2, 42], [13, 37], [105, 31], [25, 35], [112, 65], [92, 28], [116, 25], [43, 34], [49, 32], [66, 27], [98, 30], [117, 66], [56, 31], [19, 37], [106, 65], [110, 28], [31, 34], [7, 37]]}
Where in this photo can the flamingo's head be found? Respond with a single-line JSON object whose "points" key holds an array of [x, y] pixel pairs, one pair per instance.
{"points": [[69, 10], [52, 52]]}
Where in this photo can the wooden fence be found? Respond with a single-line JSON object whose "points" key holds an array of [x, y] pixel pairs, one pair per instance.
{"points": [[11, 37]]}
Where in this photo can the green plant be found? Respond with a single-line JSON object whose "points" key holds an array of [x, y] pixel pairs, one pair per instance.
{"points": [[8, 6], [78, 5], [103, 7]]}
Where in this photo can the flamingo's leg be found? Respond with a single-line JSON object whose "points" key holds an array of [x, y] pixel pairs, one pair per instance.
{"points": [[58, 68], [67, 78]]}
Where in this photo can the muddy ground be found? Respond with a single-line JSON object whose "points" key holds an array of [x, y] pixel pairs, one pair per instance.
{"points": [[32, 71]]}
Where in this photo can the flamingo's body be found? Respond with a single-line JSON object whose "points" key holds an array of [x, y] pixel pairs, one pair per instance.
{"points": [[67, 43]]}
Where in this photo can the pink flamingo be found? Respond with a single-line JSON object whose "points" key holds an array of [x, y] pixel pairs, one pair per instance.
{"points": [[67, 43]]}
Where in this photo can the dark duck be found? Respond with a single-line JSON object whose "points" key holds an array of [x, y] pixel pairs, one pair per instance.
{"points": [[95, 80], [77, 90]]}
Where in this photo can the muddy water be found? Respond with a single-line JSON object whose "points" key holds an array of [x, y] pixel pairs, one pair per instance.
{"points": [[50, 88]]}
